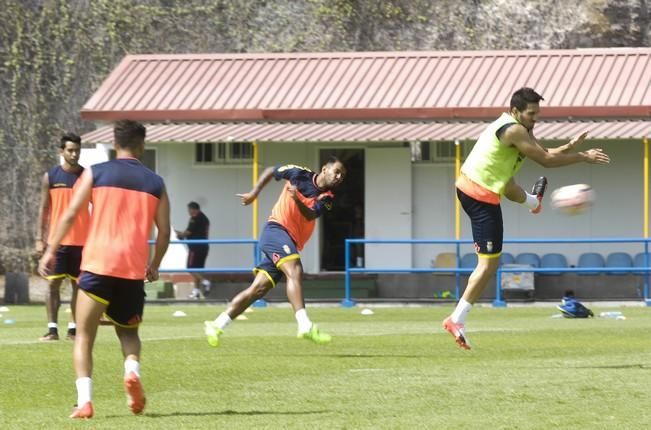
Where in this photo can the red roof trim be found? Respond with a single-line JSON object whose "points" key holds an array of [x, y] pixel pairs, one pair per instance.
{"points": [[368, 132], [387, 114], [583, 83]]}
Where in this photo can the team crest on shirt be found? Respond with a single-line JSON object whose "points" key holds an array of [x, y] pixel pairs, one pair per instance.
{"points": [[489, 246], [275, 257], [286, 249]]}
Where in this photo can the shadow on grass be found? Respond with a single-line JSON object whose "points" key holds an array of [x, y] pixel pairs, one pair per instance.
{"points": [[617, 366], [361, 355], [227, 413], [375, 356]]}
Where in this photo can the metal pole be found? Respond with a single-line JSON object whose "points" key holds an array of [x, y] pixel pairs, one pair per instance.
{"points": [[347, 302], [646, 274], [457, 206], [260, 303], [498, 302], [254, 178], [457, 217], [457, 274], [645, 199]]}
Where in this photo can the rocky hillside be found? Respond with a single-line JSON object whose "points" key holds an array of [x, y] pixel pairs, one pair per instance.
{"points": [[54, 53]]}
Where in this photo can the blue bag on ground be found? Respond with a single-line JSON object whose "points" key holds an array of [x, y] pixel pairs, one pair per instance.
{"points": [[570, 307]]}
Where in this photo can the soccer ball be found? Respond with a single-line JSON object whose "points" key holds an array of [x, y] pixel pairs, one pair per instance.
{"points": [[573, 199]]}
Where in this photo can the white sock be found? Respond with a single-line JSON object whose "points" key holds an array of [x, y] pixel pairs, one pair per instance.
{"points": [[72, 325], [222, 321], [461, 311], [52, 325], [131, 365], [304, 323], [84, 390], [531, 201]]}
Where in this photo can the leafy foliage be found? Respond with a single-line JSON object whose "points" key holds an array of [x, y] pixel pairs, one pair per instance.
{"points": [[54, 53]]}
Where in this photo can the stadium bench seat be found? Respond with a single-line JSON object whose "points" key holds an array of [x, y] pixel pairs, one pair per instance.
{"points": [[552, 260], [619, 259], [528, 258], [590, 259], [445, 260], [506, 258], [638, 261], [469, 261]]}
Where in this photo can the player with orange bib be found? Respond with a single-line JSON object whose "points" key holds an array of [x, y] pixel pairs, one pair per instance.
{"points": [[303, 199], [127, 200], [488, 174], [57, 187]]}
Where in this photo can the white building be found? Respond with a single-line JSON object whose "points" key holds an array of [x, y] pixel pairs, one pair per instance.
{"points": [[377, 111]]}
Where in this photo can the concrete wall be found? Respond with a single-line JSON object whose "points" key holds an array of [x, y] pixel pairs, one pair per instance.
{"points": [[214, 188], [617, 210]]}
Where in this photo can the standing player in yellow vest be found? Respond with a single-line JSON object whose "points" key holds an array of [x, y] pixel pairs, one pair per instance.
{"points": [[127, 199], [487, 175], [57, 187]]}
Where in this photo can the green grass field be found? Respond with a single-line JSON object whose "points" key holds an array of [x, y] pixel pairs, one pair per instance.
{"points": [[395, 369]]}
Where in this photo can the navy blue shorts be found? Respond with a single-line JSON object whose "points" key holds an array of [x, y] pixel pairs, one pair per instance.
{"points": [[197, 255], [125, 298], [486, 222], [277, 247], [67, 262]]}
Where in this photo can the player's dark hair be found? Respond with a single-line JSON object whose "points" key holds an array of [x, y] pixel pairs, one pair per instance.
{"points": [[194, 205], [524, 96], [129, 134], [331, 160], [69, 137]]}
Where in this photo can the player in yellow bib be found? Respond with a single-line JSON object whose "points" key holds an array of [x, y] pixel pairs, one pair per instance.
{"points": [[487, 175]]}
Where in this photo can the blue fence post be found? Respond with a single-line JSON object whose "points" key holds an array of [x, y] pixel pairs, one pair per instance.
{"points": [[498, 302], [646, 273], [260, 303], [457, 274], [347, 302]]}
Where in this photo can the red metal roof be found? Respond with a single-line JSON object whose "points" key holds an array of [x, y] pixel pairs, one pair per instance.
{"points": [[367, 132], [586, 83]]}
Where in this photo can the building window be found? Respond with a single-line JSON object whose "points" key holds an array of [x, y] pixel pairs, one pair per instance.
{"points": [[442, 151], [222, 152], [241, 151], [203, 153]]}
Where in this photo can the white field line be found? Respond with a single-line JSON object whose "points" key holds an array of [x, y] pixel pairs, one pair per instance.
{"points": [[376, 333]]}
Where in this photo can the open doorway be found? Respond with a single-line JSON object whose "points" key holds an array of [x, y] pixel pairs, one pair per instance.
{"points": [[346, 219]]}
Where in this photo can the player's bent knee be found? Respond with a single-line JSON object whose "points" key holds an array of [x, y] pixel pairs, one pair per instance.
{"points": [[260, 290]]}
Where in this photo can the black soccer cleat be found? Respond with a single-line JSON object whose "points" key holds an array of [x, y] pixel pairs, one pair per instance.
{"points": [[539, 187]]}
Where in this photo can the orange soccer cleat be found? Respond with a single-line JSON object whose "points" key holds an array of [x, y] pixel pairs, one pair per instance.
{"points": [[456, 330], [84, 412], [135, 394]]}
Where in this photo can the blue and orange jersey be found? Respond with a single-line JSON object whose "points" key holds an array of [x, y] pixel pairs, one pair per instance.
{"points": [[125, 197], [62, 185], [287, 213]]}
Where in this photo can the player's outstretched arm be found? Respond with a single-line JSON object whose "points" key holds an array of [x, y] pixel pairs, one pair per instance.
{"points": [[519, 137], [569, 146], [43, 214], [263, 180], [162, 221]]}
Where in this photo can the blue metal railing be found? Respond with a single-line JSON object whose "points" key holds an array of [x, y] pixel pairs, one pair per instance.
{"points": [[498, 302], [256, 255]]}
